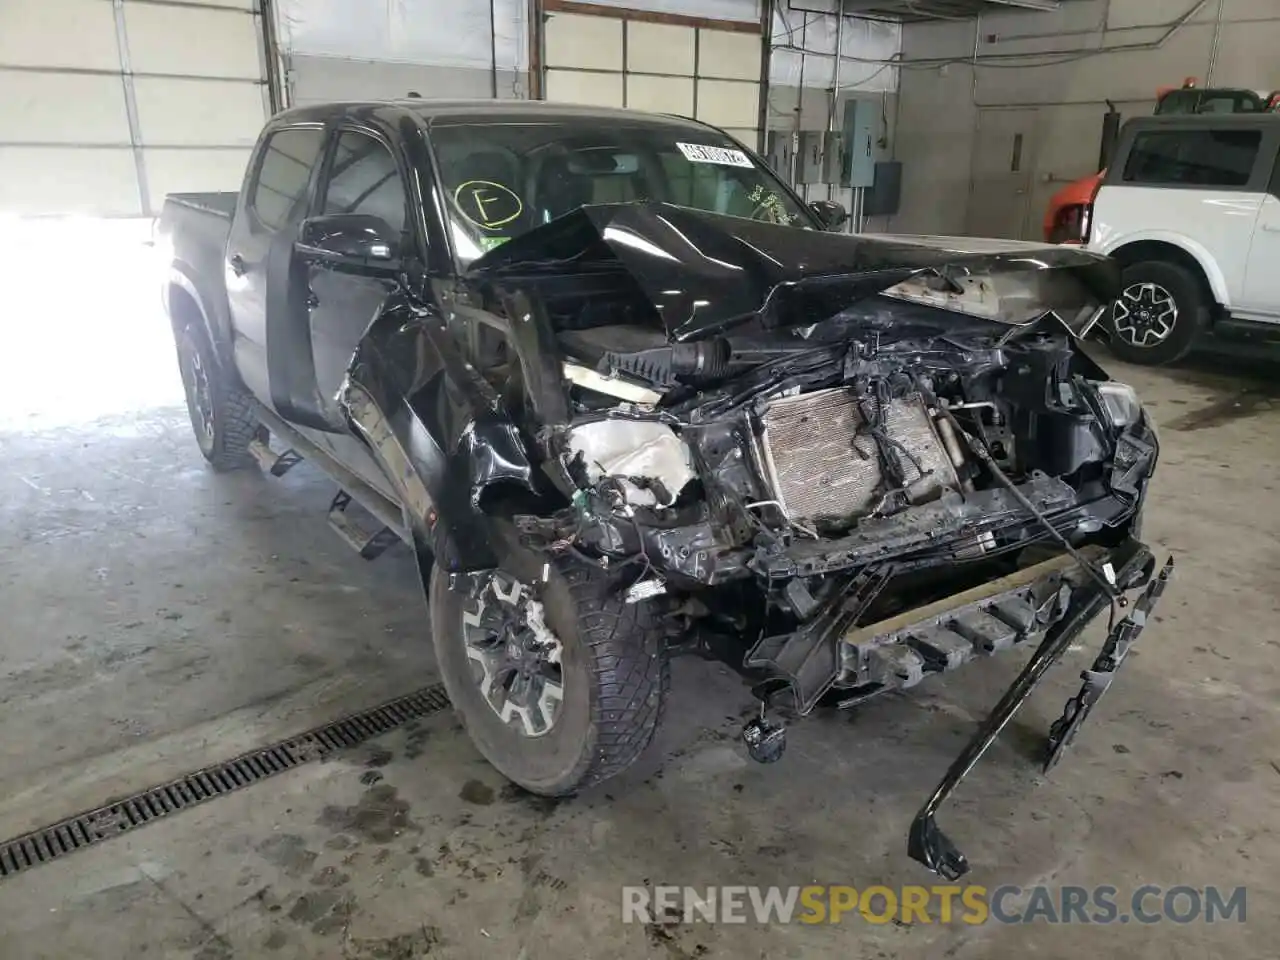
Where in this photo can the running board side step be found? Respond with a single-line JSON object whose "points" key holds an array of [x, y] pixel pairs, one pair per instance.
{"points": [[276, 464], [366, 541], [384, 511]]}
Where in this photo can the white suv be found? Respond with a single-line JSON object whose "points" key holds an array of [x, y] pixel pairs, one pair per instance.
{"points": [[1191, 209]]}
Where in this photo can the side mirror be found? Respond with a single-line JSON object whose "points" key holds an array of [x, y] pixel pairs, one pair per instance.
{"points": [[353, 240], [830, 214]]}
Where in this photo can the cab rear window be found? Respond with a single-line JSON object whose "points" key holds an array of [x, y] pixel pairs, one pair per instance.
{"points": [[1201, 158]]}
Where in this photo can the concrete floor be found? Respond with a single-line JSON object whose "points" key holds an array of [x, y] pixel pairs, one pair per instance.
{"points": [[155, 617]]}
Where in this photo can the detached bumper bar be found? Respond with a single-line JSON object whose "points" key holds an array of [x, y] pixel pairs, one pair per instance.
{"points": [[1134, 565]]}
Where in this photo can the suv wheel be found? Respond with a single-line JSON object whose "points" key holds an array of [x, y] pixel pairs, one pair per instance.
{"points": [[559, 683], [1160, 313], [221, 413]]}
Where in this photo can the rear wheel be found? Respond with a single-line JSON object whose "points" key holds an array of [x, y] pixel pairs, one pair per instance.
{"points": [[1161, 311], [221, 412], [559, 683]]}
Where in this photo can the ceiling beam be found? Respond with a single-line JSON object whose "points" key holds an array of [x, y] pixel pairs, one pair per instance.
{"points": [[1044, 5], [942, 9]]}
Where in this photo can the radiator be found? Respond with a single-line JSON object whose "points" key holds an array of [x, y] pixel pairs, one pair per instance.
{"points": [[822, 472]]}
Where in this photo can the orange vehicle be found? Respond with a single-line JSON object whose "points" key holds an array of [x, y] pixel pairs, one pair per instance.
{"points": [[1070, 209]]}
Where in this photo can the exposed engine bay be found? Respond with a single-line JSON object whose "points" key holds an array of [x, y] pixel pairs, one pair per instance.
{"points": [[748, 469], [832, 453]]}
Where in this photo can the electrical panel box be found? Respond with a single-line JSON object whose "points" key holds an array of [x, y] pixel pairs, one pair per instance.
{"points": [[811, 144], [833, 158], [885, 195], [778, 152], [861, 118]]}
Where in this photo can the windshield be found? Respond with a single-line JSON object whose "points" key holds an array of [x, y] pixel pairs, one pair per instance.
{"points": [[1210, 101], [502, 179]]}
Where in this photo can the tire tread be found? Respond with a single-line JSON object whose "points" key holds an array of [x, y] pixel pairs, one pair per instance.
{"points": [[631, 670], [240, 425], [235, 419]]}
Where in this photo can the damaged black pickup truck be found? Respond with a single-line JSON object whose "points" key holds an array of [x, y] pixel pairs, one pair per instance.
{"points": [[626, 397]]}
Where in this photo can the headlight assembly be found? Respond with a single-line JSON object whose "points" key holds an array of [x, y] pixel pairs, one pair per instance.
{"points": [[646, 458], [1121, 402]]}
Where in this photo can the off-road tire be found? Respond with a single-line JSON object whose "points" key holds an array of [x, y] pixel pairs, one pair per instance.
{"points": [[1192, 302], [615, 676], [234, 423]]}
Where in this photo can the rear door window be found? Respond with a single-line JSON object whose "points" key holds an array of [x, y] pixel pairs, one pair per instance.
{"points": [[279, 193], [1199, 158]]}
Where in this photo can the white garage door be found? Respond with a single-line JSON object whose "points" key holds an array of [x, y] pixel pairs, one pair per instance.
{"points": [[706, 69], [106, 105]]}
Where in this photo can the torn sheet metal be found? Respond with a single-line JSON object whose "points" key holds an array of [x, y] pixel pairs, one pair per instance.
{"points": [[426, 411], [926, 842]]}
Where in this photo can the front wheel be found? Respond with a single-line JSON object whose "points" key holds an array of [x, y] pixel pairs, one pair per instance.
{"points": [[1162, 309], [221, 412], [559, 683]]}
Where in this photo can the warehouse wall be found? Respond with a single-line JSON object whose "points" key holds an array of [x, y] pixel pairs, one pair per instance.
{"points": [[713, 9], [356, 49], [691, 66], [803, 49], [352, 49], [802, 76], [335, 49], [1050, 74], [318, 79]]}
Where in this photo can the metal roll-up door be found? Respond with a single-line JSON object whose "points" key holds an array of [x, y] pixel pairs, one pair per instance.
{"points": [[110, 104], [664, 63]]}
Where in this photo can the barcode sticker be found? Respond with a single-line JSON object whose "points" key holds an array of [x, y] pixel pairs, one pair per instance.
{"points": [[723, 156]]}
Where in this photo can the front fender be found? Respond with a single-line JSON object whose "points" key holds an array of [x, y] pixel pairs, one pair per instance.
{"points": [[1213, 273], [437, 429]]}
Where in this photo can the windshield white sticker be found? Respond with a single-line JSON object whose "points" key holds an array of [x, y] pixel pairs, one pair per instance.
{"points": [[725, 157]]}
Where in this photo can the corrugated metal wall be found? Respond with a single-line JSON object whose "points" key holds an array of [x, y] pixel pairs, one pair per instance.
{"points": [[700, 68], [110, 104], [374, 49], [803, 78], [1046, 77]]}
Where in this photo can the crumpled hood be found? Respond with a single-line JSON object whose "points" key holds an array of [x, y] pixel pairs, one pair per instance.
{"points": [[705, 272]]}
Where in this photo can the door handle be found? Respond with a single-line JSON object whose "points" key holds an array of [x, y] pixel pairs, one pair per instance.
{"points": [[238, 266], [1271, 227], [312, 300]]}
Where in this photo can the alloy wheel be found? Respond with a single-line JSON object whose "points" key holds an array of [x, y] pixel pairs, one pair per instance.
{"points": [[199, 393], [515, 657], [1145, 314]]}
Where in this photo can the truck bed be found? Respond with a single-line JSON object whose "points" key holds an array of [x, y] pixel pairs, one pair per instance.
{"points": [[195, 227], [221, 204], [193, 230]]}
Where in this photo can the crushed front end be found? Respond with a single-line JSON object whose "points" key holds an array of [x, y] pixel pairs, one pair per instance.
{"points": [[856, 485]]}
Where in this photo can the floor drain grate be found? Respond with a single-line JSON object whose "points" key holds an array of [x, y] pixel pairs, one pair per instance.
{"points": [[121, 816]]}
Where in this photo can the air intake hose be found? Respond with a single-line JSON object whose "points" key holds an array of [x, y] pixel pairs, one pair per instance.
{"points": [[706, 360], [678, 363]]}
